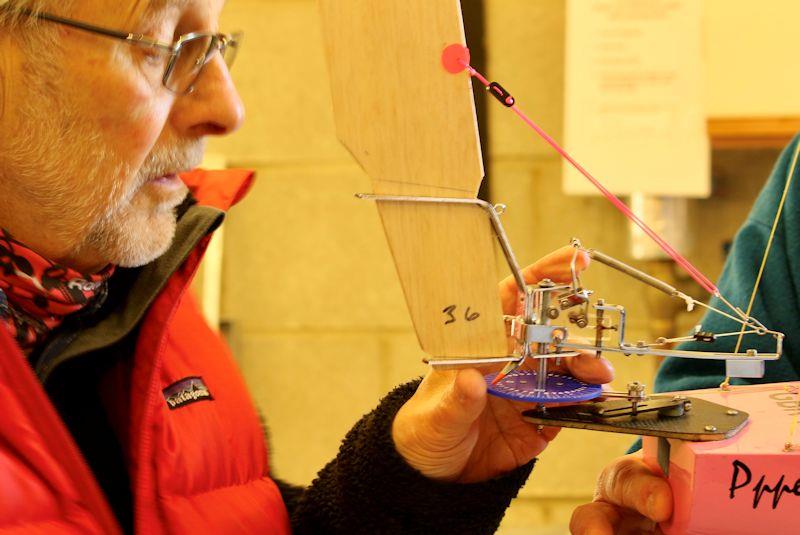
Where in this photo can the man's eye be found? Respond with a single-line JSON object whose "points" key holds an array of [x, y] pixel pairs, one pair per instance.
{"points": [[153, 56]]}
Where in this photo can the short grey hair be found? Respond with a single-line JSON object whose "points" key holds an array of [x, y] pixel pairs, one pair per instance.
{"points": [[13, 16], [38, 44], [10, 11]]}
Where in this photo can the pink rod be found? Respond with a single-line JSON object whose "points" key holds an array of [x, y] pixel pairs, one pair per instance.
{"points": [[695, 273]]}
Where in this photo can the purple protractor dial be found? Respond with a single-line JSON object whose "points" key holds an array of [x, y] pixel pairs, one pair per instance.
{"points": [[520, 385]]}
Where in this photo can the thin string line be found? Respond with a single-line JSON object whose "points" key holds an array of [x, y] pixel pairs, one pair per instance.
{"points": [[695, 273], [793, 426], [744, 318], [726, 383], [720, 312], [661, 342]]}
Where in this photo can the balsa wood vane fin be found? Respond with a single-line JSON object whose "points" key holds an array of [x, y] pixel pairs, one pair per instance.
{"points": [[411, 125]]}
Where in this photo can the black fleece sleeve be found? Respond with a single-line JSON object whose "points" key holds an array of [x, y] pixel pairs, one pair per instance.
{"points": [[369, 488]]}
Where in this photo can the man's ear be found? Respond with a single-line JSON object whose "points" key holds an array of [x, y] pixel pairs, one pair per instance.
{"points": [[2, 89], [4, 63], [6, 66], [3, 77]]}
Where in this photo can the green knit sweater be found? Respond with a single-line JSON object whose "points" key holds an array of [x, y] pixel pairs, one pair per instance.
{"points": [[777, 303]]}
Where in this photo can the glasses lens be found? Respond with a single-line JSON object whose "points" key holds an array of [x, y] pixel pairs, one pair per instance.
{"points": [[231, 48], [188, 62]]}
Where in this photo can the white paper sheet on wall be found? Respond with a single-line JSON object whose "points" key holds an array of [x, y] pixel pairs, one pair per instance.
{"points": [[634, 114]]}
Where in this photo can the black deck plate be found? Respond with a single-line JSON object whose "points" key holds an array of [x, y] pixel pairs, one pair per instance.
{"points": [[691, 426]]}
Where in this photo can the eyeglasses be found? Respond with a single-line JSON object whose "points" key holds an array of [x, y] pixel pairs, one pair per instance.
{"points": [[187, 56]]}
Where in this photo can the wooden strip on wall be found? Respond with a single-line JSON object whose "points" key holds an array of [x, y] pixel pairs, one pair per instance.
{"points": [[752, 132]]}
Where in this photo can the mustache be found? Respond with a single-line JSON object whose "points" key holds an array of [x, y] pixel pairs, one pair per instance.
{"points": [[168, 160], [161, 161]]}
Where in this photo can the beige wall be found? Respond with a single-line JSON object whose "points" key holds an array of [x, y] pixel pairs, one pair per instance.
{"points": [[751, 50], [317, 317]]}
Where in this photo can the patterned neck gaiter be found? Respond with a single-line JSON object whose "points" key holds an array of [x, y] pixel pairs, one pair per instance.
{"points": [[36, 294]]}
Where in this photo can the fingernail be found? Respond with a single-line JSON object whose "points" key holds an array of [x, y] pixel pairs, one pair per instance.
{"points": [[652, 505]]}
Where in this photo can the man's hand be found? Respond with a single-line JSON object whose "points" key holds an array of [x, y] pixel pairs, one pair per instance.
{"points": [[452, 430], [629, 499]]}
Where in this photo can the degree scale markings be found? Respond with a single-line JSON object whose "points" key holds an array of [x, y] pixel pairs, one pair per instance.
{"points": [[521, 385]]}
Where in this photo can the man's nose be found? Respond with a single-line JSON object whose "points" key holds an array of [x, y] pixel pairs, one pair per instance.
{"points": [[214, 107]]}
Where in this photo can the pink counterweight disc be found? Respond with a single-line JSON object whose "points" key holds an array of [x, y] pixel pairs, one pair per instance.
{"points": [[455, 58]]}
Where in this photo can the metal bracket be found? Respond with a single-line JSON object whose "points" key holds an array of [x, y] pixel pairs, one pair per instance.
{"points": [[750, 364], [492, 211], [664, 449]]}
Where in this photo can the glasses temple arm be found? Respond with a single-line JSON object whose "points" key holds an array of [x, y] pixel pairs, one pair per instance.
{"points": [[134, 38]]}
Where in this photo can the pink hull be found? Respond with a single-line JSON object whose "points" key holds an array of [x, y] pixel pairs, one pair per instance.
{"points": [[746, 485]]}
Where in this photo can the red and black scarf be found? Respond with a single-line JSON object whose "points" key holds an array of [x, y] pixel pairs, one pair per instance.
{"points": [[36, 294]]}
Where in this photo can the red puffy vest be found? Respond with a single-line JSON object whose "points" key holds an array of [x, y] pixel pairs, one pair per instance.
{"points": [[197, 458]]}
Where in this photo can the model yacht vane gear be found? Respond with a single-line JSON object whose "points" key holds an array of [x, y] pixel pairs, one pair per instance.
{"points": [[405, 110]]}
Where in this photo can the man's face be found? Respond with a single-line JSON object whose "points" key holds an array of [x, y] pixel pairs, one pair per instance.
{"points": [[91, 140]]}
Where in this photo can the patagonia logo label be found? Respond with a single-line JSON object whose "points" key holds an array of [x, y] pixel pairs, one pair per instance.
{"points": [[186, 391]]}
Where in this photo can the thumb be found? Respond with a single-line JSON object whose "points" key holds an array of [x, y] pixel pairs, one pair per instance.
{"points": [[460, 405], [437, 429]]}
